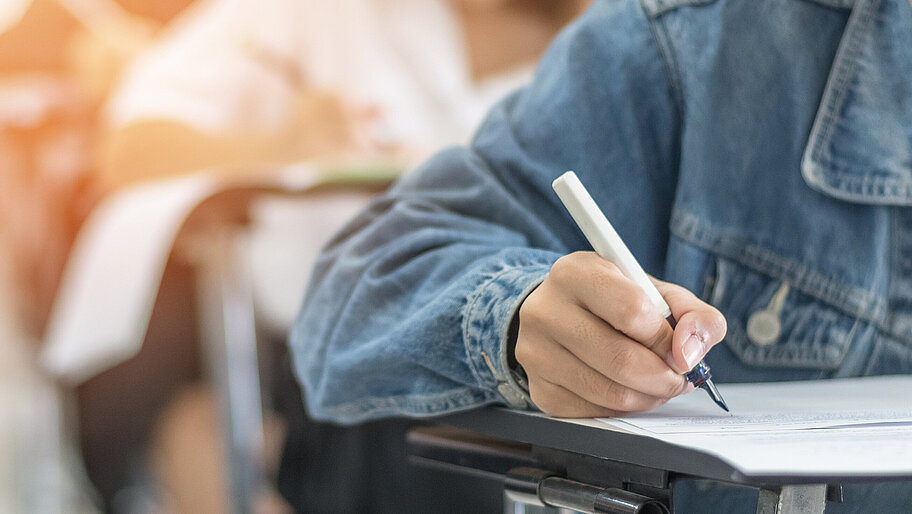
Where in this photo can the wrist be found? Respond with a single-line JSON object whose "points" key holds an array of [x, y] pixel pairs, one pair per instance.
{"points": [[516, 370]]}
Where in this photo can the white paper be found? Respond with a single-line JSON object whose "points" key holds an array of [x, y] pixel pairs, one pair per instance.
{"points": [[860, 426]]}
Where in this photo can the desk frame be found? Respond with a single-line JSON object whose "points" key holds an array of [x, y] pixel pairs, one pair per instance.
{"points": [[595, 457]]}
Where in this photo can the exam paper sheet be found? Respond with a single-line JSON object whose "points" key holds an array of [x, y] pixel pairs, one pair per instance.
{"points": [[859, 426]]}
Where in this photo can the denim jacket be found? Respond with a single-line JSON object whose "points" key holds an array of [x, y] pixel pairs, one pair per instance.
{"points": [[757, 152]]}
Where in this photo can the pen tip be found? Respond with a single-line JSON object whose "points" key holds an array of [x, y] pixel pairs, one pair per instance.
{"points": [[721, 403], [714, 394]]}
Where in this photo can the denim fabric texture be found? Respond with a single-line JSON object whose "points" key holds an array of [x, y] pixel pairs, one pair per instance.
{"points": [[738, 146]]}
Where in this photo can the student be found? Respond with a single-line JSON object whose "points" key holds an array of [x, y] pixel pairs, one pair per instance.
{"points": [[235, 83], [744, 152]]}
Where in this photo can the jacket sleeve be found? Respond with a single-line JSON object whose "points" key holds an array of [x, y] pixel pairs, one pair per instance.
{"points": [[408, 308]]}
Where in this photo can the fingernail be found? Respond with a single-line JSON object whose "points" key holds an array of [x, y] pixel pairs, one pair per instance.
{"points": [[693, 350]]}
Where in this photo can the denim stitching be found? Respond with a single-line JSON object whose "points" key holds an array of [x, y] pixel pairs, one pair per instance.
{"points": [[473, 345], [834, 96], [900, 273], [817, 350], [473, 341], [659, 7], [669, 62], [511, 380], [817, 337], [867, 188], [861, 303], [418, 406], [837, 4]]}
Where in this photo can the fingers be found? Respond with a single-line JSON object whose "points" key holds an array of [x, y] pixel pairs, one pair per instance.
{"points": [[700, 326], [554, 364], [558, 401], [599, 286], [591, 341], [616, 356]]}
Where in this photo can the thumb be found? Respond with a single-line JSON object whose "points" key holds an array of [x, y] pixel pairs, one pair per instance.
{"points": [[700, 326]]}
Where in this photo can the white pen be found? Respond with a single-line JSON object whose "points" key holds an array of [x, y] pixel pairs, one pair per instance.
{"points": [[608, 244]]}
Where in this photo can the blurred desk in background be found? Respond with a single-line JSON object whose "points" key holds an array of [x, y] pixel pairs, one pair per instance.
{"points": [[103, 308]]}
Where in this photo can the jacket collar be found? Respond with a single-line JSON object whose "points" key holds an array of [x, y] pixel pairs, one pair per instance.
{"points": [[860, 146], [839, 4]]}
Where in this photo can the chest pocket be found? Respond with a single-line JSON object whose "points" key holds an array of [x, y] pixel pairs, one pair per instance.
{"points": [[781, 312], [772, 323]]}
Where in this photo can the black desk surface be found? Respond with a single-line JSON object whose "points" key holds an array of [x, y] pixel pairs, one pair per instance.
{"points": [[644, 451]]}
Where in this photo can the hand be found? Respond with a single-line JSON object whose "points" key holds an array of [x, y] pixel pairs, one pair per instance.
{"points": [[593, 345]]}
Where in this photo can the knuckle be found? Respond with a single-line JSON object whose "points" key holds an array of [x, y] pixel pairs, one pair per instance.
{"points": [[673, 388], [539, 312], [624, 399], [593, 385], [638, 310], [521, 352], [526, 355], [531, 308], [610, 269], [613, 396], [564, 268], [620, 360], [606, 276]]}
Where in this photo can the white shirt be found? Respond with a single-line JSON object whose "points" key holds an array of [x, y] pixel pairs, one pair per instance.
{"points": [[234, 64], [228, 64], [11, 12]]}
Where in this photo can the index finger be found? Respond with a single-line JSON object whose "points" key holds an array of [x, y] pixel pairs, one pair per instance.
{"points": [[600, 287]]}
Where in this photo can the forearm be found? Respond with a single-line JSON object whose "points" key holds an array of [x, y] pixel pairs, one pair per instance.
{"points": [[409, 308], [409, 313], [158, 149]]}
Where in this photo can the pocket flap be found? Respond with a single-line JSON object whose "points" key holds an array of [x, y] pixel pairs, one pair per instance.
{"points": [[771, 323]]}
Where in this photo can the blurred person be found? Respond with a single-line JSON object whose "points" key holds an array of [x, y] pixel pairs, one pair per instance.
{"points": [[58, 59], [44, 165], [44, 117], [235, 85]]}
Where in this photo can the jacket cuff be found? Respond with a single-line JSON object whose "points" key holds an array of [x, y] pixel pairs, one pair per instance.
{"points": [[486, 329]]}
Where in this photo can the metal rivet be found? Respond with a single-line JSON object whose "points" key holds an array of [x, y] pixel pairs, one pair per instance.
{"points": [[514, 398], [765, 326]]}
